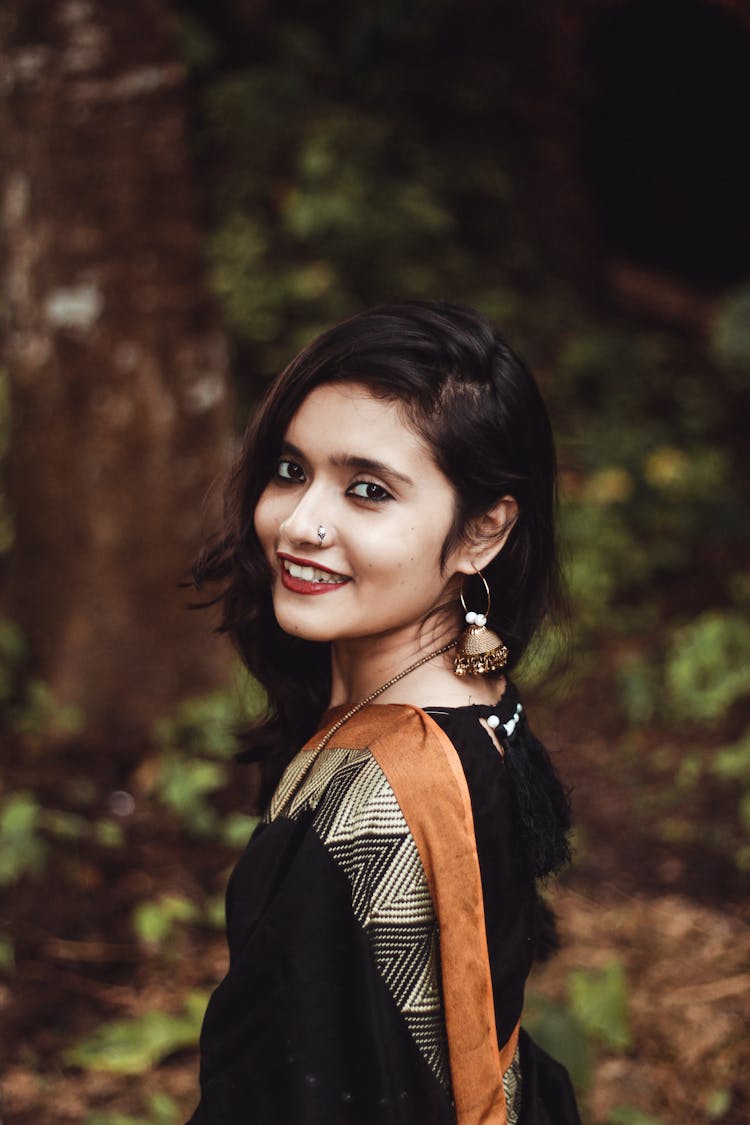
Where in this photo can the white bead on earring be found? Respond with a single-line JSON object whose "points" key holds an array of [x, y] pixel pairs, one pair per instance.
{"points": [[473, 618], [479, 649]]}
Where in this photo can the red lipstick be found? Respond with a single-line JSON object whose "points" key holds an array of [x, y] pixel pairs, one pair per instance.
{"points": [[305, 585]]}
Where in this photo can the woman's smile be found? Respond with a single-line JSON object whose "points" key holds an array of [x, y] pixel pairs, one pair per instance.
{"points": [[305, 577]]}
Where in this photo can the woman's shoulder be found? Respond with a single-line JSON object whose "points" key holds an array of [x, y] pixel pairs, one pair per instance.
{"points": [[522, 768], [386, 757], [416, 748], [406, 717]]}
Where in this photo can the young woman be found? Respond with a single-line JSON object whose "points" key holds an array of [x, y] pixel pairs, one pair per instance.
{"points": [[388, 554]]}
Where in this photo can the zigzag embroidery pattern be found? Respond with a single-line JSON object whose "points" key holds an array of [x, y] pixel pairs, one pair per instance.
{"points": [[357, 817]]}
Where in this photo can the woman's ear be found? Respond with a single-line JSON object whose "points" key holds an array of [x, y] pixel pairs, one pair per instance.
{"points": [[486, 536]]}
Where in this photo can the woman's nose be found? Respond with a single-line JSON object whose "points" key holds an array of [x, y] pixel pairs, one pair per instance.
{"points": [[307, 523]]}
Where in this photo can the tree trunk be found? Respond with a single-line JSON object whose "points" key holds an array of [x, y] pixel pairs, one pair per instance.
{"points": [[119, 394]]}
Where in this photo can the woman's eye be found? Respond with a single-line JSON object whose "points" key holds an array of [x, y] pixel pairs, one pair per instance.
{"points": [[289, 470], [368, 490]]}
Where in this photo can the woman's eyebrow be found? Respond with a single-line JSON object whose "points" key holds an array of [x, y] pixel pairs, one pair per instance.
{"points": [[292, 450], [353, 461], [369, 465]]}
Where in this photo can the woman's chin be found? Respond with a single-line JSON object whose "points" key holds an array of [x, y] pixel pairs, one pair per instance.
{"points": [[295, 625]]}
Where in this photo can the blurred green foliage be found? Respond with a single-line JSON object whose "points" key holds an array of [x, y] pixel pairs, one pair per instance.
{"points": [[40, 714], [155, 921], [718, 1103], [558, 1031], [599, 1001], [184, 786], [347, 177], [193, 750], [27, 705], [134, 1046], [158, 1109], [27, 828], [207, 724], [630, 1115], [594, 1018], [708, 665], [23, 848]]}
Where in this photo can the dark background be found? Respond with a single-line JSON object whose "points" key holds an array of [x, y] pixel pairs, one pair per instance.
{"points": [[189, 192]]}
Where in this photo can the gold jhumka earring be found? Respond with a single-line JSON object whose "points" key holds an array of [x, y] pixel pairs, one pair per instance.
{"points": [[479, 650]]}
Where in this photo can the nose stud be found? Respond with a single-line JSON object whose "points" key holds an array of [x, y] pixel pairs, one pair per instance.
{"points": [[321, 533]]}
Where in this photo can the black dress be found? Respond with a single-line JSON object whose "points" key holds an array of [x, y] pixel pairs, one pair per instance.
{"points": [[339, 1007]]}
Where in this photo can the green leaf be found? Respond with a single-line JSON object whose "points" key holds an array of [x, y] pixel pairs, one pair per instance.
{"points": [[22, 848], [42, 714], [599, 1000], [183, 785], [557, 1030], [154, 922], [708, 665], [109, 834], [113, 1119], [214, 914], [718, 1103], [134, 1046], [205, 724], [160, 1109], [733, 762], [630, 1115], [237, 829], [64, 825]]}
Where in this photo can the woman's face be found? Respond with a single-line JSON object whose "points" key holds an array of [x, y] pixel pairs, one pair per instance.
{"points": [[352, 466]]}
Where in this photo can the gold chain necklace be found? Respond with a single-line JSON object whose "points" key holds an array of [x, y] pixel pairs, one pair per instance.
{"points": [[379, 691]]}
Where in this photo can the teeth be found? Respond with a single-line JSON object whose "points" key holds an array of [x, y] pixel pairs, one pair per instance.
{"points": [[311, 573]]}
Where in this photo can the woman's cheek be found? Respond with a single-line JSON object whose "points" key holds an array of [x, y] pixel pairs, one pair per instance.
{"points": [[264, 522]]}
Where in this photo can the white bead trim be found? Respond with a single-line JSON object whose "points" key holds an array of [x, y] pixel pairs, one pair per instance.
{"points": [[493, 721]]}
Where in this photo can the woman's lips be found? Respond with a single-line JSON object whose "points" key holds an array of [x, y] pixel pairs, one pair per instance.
{"points": [[308, 579]]}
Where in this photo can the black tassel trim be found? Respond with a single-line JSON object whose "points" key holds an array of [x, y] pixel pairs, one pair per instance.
{"points": [[542, 803]]}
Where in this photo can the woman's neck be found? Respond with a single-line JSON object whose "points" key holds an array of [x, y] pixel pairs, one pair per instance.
{"points": [[361, 666]]}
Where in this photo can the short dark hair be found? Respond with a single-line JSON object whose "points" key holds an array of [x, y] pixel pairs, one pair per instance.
{"points": [[479, 410]]}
